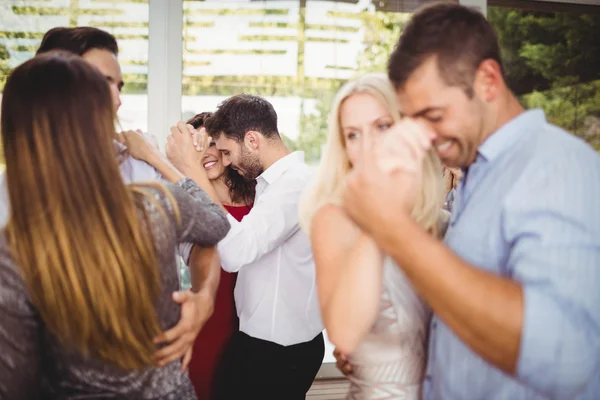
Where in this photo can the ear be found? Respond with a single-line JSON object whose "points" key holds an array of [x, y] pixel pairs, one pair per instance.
{"points": [[489, 81], [252, 140]]}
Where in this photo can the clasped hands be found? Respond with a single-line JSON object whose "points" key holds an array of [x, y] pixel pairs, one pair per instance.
{"points": [[185, 146], [387, 179]]}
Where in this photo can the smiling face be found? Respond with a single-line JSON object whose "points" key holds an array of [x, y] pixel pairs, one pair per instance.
{"points": [[456, 119], [361, 114], [213, 162]]}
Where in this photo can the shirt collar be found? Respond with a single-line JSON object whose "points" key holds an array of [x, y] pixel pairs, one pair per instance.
{"points": [[281, 165], [504, 138], [119, 147]]}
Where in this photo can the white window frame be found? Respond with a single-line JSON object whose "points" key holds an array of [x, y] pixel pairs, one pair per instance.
{"points": [[165, 66]]}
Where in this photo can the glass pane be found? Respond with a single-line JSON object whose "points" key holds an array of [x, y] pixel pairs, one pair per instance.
{"points": [[23, 24], [295, 53], [551, 61]]}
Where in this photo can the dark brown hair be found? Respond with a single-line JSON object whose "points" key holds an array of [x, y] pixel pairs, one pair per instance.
{"points": [[241, 190], [87, 259], [78, 40], [460, 37], [242, 113]]}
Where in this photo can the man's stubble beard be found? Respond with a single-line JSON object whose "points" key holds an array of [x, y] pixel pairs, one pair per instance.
{"points": [[250, 164]]}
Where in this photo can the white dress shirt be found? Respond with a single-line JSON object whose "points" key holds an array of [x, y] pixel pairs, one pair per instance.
{"points": [[275, 293]]}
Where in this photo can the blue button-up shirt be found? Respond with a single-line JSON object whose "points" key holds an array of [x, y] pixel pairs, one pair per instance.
{"points": [[529, 210]]}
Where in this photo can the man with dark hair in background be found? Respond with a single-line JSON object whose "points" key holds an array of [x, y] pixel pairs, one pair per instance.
{"points": [[516, 288], [100, 49], [96, 46], [279, 348]]}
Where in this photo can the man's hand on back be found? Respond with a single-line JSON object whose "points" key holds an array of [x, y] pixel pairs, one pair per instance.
{"points": [[196, 309]]}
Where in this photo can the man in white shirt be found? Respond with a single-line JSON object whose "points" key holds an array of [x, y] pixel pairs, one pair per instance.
{"points": [[279, 348], [100, 49]]}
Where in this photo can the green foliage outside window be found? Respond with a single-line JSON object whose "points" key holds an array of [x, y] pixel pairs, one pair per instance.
{"points": [[551, 62]]}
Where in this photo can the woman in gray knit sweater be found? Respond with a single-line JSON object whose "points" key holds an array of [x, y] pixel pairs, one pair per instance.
{"points": [[87, 263]]}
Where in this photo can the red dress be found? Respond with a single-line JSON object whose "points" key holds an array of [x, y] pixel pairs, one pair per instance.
{"points": [[214, 337]]}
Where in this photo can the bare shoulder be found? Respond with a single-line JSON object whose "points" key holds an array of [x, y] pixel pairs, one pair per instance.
{"points": [[330, 223], [331, 215]]}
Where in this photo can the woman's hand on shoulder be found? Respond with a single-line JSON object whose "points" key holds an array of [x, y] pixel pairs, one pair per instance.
{"points": [[140, 145]]}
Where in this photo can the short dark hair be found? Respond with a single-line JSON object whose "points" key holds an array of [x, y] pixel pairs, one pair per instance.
{"points": [[78, 40], [460, 37], [197, 121], [242, 113], [241, 190]]}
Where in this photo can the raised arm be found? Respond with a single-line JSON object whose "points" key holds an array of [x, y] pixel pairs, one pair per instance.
{"points": [[20, 352], [201, 221], [349, 269]]}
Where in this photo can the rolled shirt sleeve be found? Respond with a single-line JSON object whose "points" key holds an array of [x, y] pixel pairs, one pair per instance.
{"points": [[555, 254]]}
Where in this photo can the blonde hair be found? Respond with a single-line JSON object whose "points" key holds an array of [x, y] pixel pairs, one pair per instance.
{"points": [[328, 186], [80, 236]]}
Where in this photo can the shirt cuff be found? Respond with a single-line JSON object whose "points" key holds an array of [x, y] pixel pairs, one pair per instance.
{"points": [[552, 355]]}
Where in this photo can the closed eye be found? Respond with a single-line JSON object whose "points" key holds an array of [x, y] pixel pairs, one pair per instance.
{"points": [[434, 119], [352, 135]]}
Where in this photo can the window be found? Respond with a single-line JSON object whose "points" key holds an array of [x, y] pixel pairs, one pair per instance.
{"points": [[23, 24], [295, 53]]}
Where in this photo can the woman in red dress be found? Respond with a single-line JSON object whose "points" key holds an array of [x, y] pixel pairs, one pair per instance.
{"points": [[237, 195]]}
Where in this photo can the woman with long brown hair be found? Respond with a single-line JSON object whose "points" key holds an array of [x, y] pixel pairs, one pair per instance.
{"points": [[87, 263]]}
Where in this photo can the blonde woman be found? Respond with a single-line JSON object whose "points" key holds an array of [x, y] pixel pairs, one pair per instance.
{"points": [[370, 310]]}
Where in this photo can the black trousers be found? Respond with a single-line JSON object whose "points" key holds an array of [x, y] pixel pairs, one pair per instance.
{"points": [[256, 369]]}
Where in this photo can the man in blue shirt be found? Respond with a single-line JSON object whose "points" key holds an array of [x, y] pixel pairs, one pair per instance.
{"points": [[516, 288]]}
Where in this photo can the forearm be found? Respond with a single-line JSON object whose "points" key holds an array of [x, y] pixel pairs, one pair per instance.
{"points": [[201, 179], [205, 270], [483, 309], [165, 168], [352, 306]]}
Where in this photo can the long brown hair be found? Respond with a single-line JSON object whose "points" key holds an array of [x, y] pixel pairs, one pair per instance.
{"points": [[87, 258]]}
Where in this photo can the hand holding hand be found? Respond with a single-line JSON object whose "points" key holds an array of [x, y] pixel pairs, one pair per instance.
{"points": [[388, 178], [342, 363], [200, 139], [181, 150]]}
